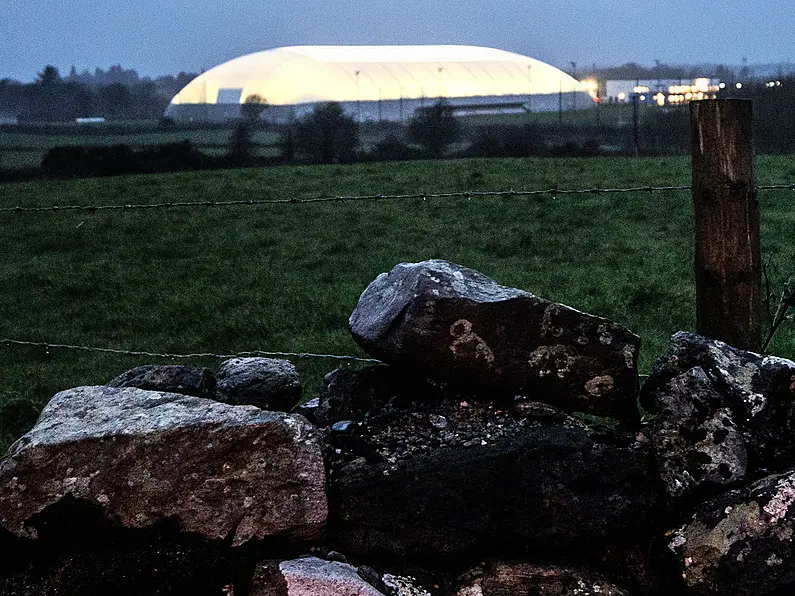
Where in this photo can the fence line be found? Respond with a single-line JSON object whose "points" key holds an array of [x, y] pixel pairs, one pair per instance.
{"points": [[300, 355], [350, 198], [359, 198]]}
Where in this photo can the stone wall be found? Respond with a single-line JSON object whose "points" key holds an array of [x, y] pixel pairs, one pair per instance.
{"points": [[502, 448]]}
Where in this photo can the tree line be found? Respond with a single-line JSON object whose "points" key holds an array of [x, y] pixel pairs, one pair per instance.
{"points": [[115, 94]]}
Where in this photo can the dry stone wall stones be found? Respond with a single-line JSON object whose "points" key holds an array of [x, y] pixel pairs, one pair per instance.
{"points": [[742, 542], [434, 492], [141, 457], [187, 380], [511, 578], [723, 417], [315, 577], [267, 383], [349, 394], [698, 447], [455, 324]]}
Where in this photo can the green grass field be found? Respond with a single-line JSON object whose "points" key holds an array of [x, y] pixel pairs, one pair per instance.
{"points": [[286, 277]]}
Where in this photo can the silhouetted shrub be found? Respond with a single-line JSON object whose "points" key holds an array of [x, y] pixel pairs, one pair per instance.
{"points": [[393, 148]]}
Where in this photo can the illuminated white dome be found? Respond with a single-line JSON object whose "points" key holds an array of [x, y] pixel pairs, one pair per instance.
{"points": [[298, 75]]}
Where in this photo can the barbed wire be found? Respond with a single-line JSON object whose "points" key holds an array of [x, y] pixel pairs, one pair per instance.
{"points": [[346, 198], [776, 187], [474, 194], [150, 354]]}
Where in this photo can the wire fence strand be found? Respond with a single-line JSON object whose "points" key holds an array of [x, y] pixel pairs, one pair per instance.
{"points": [[151, 354], [474, 194]]}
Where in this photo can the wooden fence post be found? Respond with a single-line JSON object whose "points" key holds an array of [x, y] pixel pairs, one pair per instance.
{"points": [[728, 262]]}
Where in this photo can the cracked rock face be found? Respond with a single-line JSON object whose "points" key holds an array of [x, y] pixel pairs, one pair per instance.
{"points": [[723, 416], [508, 579], [141, 457], [268, 383], [171, 378], [437, 479], [742, 542], [455, 324]]}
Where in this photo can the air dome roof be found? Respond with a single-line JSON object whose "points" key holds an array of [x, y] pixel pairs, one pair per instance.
{"points": [[309, 74]]}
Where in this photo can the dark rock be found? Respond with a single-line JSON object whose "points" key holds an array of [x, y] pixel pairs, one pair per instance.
{"points": [[454, 324], [723, 416], [268, 580], [336, 556], [308, 409], [267, 383], [148, 563], [742, 542], [526, 408], [141, 457], [400, 485], [186, 380], [372, 577], [350, 394], [511, 578]]}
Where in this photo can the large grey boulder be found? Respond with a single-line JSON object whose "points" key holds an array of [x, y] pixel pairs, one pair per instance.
{"points": [[455, 324], [171, 378], [459, 476], [723, 417], [511, 578], [742, 542], [141, 457], [268, 383], [309, 576]]}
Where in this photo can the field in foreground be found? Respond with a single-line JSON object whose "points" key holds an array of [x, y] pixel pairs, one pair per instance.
{"points": [[286, 277]]}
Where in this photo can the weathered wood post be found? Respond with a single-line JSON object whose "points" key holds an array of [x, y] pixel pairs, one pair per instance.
{"points": [[728, 262]]}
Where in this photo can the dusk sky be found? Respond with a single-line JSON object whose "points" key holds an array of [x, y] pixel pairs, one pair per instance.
{"points": [[167, 36]]}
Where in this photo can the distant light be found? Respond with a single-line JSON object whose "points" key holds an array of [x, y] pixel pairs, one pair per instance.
{"points": [[722, 85], [739, 85], [643, 98], [622, 96], [778, 83]]}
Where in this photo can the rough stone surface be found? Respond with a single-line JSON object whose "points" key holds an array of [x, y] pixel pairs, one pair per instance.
{"points": [[512, 578], [315, 577], [723, 416], [267, 383], [698, 446], [186, 380], [349, 394], [742, 542], [398, 585], [268, 580], [401, 484], [456, 325], [148, 563], [141, 457]]}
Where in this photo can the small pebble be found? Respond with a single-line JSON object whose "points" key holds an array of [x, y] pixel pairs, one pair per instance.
{"points": [[438, 421], [342, 426]]}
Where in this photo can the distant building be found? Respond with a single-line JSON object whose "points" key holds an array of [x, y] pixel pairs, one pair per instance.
{"points": [[378, 82], [8, 120], [662, 92]]}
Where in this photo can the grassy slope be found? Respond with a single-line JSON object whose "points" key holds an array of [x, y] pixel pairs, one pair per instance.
{"points": [[286, 277]]}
